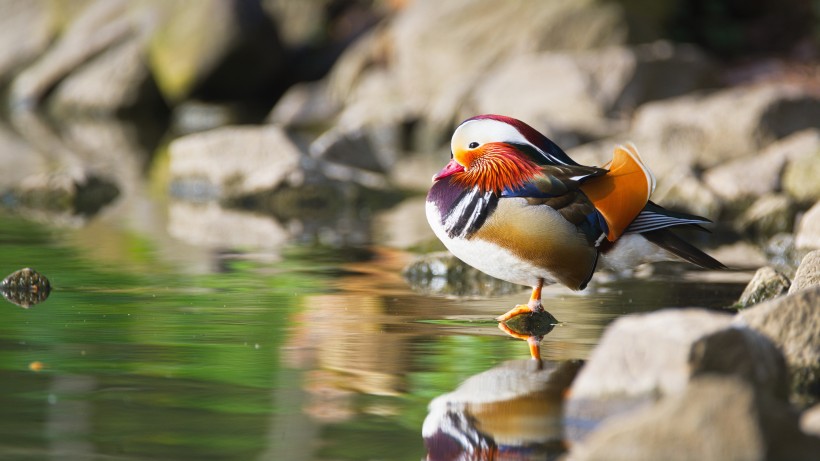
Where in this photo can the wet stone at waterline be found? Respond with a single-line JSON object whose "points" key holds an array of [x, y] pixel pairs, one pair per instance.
{"points": [[534, 324], [25, 287]]}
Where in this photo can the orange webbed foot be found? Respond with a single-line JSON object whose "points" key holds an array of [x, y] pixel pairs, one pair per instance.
{"points": [[521, 309]]}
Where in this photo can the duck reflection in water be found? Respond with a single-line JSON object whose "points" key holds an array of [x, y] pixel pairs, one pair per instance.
{"points": [[511, 412]]}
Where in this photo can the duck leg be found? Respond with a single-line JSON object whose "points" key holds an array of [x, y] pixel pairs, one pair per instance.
{"points": [[534, 304]]}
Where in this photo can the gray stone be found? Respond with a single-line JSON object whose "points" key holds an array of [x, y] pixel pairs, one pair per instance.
{"points": [[305, 105], [645, 354], [98, 25], [769, 215], [766, 284], [579, 91], [707, 129], [714, 418], [237, 161], [808, 273], [800, 177], [792, 322], [117, 79], [211, 226], [432, 54], [682, 189], [808, 229], [26, 28], [643, 357], [810, 421], [752, 176], [441, 273], [367, 149]]}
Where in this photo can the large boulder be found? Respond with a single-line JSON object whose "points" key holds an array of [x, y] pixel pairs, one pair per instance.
{"points": [[758, 171], [233, 162], [714, 418], [97, 26], [430, 56], [581, 91], [643, 357], [708, 129], [114, 81], [26, 28], [792, 322]]}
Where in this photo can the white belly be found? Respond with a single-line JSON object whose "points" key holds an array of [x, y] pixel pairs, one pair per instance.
{"points": [[488, 257]]}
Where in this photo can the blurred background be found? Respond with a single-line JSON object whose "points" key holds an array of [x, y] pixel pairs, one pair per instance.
{"points": [[225, 195]]}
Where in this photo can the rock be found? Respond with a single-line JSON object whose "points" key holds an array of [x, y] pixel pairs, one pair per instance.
{"points": [[766, 284], [18, 160], [442, 273], [720, 132], [232, 162], [237, 57], [114, 81], [808, 229], [98, 25], [193, 116], [431, 54], [800, 177], [793, 324], [740, 255], [401, 226], [716, 418], [579, 91], [25, 287], [85, 196], [551, 91], [26, 28], [683, 190], [782, 254], [211, 226], [769, 215], [750, 177], [305, 105], [808, 273], [642, 357], [370, 149], [810, 421]]}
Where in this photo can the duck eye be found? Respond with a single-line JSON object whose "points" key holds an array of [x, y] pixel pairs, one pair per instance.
{"points": [[473, 145]]}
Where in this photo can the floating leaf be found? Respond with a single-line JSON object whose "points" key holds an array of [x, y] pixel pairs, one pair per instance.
{"points": [[25, 287]]}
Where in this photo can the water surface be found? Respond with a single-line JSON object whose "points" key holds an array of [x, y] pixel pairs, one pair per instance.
{"points": [[150, 348]]}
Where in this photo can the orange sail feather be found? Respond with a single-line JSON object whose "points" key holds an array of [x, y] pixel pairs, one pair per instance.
{"points": [[621, 194]]}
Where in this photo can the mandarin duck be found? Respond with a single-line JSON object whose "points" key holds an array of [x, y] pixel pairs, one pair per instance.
{"points": [[514, 205]]}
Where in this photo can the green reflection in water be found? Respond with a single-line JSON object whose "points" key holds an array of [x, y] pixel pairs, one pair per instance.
{"points": [[309, 357]]}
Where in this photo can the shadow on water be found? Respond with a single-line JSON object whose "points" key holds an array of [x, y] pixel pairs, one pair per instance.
{"points": [[306, 353]]}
